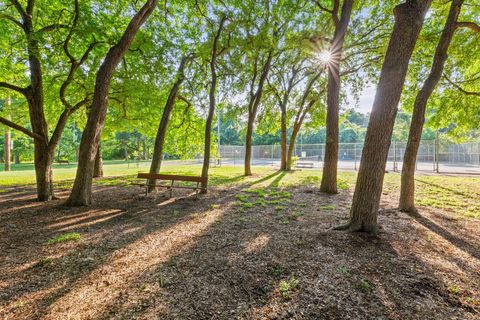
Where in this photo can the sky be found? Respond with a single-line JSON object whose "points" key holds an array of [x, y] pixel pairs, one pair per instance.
{"points": [[365, 100]]}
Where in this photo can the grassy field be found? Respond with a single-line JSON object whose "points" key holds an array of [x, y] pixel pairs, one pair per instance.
{"points": [[456, 194]]}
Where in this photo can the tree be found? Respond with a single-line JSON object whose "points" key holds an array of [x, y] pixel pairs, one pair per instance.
{"points": [[307, 101], [162, 128], [334, 56], [82, 188], [286, 81], [407, 190], [216, 51], [409, 18], [7, 142], [44, 144], [255, 96]]}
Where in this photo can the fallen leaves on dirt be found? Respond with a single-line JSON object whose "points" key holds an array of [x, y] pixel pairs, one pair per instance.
{"points": [[263, 253]]}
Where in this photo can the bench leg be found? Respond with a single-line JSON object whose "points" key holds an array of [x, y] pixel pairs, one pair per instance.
{"points": [[146, 191], [196, 192], [171, 188]]}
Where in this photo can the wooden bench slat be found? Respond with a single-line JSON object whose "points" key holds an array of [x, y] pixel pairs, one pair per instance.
{"points": [[170, 177]]}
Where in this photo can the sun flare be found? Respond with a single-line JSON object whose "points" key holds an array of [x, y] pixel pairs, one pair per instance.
{"points": [[324, 57]]}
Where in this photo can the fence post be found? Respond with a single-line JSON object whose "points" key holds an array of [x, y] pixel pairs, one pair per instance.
{"points": [[355, 154], [272, 154]]}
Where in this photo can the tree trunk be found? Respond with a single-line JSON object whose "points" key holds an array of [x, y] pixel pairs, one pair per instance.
{"points": [[16, 156], [248, 145], [43, 156], [212, 105], [7, 149], [252, 111], [98, 169], [407, 190], [81, 194], [162, 128], [409, 18], [291, 146], [125, 153], [43, 172], [44, 148], [283, 160], [329, 176], [144, 149]]}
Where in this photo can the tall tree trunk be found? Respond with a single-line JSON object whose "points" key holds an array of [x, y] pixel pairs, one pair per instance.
{"points": [[329, 176], [98, 169], [407, 190], [82, 188], [43, 171], [7, 148], [254, 102], [409, 18], [44, 147], [43, 156], [212, 105], [144, 149], [248, 144], [283, 140], [16, 156], [8, 141], [291, 146], [162, 128]]}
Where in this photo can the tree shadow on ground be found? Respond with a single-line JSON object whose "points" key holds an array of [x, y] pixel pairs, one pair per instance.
{"points": [[457, 241], [236, 268], [202, 259], [463, 194]]}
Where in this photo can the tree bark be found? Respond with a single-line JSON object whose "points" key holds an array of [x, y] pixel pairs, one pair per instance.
{"points": [[283, 140], [291, 146], [98, 169], [43, 155], [248, 144], [81, 194], [407, 190], [162, 128], [329, 176], [212, 105], [252, 111], [43, 172], [409, 18], [7, 149], [144, 149]]}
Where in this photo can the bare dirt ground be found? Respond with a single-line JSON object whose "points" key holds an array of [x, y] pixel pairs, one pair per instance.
{"points": [[217, 258]]}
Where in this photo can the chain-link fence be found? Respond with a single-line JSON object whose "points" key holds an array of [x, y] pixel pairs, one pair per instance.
{"points": [[432, 156]]}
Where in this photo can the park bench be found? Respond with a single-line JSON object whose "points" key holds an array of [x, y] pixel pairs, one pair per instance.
{"points": [[304, 165], [63, 161], [172, 178]]}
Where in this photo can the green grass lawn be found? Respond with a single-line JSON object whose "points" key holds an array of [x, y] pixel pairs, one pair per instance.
{"points": [[457, 194]]}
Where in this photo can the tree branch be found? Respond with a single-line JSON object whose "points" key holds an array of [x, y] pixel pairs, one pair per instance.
{"points": [[12, 19], [20, 128], [19, 8], [23, 91], [468, 24], [321, 7], [468, 93], [52, 27]]}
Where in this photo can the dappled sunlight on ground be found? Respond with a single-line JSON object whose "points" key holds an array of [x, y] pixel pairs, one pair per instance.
{"points": [[252, 248]]}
